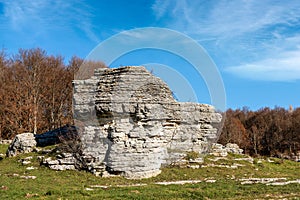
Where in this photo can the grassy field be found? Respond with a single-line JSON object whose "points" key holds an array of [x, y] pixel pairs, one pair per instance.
{"points": [[217, 179]]}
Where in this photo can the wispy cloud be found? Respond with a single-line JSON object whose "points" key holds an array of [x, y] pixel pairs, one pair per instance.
{"points": [[260, 38], [224, 17], [282, 67], [160, 7], [41, 16]]}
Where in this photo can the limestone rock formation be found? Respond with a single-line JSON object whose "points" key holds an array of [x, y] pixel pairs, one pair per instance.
{"points": [[221, 150], [131, 125], [22, 143], [27, 142], [63, 161]]}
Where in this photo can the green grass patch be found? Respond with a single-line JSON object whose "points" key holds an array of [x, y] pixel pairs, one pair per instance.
{"points": [[50, 184], [192, 155], [3, 148]]}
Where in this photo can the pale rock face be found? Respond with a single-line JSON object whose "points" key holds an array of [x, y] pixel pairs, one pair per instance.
{"points": [[66, 161], [131, 125], [22, 143], [220, 150]]}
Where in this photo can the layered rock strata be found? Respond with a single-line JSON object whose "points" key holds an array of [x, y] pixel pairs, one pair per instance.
{"points": [[131, 125]]}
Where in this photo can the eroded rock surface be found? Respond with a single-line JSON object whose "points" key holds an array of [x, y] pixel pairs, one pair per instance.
{"points": [[22, 143], [131, 125], [221, 150], [27, 142]]}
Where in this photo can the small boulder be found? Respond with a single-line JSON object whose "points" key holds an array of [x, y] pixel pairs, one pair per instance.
{"points": [[22, 143], [220, 150], [233, 148]]}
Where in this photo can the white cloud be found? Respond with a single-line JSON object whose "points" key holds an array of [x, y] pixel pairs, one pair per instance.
{"points": [[262, 35], [281, 62], [226, 17], [283, 67], [160, 7], [45, 16]]}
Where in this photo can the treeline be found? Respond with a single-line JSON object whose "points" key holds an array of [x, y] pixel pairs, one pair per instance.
{"points": [[35, 92], [36, 96], [267, 132]]}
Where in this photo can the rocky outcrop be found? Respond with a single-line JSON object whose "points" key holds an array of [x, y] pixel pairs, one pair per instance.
{"points": [[131, 125], [22, 143], [221, 150], [63, 161], [27, 142]]}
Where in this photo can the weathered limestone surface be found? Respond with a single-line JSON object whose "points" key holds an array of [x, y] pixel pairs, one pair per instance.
{"points": [[22, 143], [27, 142], [220, 150], [131, 125], [63, 161]]}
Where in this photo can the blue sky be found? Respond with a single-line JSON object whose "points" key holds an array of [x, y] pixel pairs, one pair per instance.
{"points": [[255, 44]]}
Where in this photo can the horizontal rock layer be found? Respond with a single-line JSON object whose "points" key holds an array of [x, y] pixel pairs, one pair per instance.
{"points": [[131, 125]]}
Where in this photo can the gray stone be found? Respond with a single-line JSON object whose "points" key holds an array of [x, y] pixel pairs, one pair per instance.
{"points": [[28, 177], [131, 125], [31, 168], [61, 162], [193, 166], [22, 143], [62, 167], [233, 148], [25, 162], [52, 162], [220, 150]]}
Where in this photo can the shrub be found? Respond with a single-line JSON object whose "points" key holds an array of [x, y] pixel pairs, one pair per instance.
{"points": [[192, 155]]}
